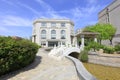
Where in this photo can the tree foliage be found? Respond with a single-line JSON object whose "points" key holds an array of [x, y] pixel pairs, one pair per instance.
{"points": [[16, 53], [106, 31]]}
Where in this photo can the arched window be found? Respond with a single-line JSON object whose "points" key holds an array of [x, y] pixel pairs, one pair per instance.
{"points": [[63, 34], [43, 34], [53, 34]]}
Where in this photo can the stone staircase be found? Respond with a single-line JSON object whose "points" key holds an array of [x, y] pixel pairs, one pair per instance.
{"points": [[60, 52]]}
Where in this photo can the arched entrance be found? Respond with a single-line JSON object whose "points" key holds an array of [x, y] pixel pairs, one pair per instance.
{"points": [[74, 54]]}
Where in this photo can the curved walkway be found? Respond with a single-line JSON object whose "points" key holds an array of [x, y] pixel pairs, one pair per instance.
{"points": [[45, 68]]}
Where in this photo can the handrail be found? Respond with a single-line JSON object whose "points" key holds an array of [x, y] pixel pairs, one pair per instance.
{"points": [[82, 72]]}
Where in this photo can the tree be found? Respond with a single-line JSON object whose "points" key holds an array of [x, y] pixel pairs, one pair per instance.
{"points": [[106, 31]]}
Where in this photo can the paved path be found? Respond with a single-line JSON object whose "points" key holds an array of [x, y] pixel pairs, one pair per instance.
{"points": [[45, 68]]}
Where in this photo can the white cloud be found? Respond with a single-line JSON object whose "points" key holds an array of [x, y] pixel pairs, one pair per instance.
{"points": [[3, 29], [50, 12], [29, 8], [91, 2], [10, 3], [84, 12], [8, 20]]}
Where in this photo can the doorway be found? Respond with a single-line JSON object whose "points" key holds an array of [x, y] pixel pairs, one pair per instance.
{"points": [[52, 43]]}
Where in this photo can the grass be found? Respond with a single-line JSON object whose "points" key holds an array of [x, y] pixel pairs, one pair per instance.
{"points": [[103, 72]]}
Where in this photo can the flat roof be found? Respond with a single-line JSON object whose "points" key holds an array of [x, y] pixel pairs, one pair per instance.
{"points": [[107, 6], [88, 34], [52, 20]]}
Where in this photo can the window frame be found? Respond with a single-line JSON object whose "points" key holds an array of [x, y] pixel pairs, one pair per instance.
{"points": [[63, 34], [43, 35], [53, 24], [53, 35], [62, 24], [43, 24]]}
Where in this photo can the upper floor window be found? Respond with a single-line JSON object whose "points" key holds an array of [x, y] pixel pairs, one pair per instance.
{"points": [[43, 24], [53, 24], [63, 34], [62, 24], [43, 34], [53, 34]]}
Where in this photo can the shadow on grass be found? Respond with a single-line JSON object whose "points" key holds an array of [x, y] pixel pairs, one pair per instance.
{"points": [[33, 65]]}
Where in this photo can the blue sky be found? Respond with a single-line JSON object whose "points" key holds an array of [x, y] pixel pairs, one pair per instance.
{"points": [[16, 16]]}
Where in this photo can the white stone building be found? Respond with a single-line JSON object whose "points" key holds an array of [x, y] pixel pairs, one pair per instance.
{"points": [[50, 32], [111, 14]]}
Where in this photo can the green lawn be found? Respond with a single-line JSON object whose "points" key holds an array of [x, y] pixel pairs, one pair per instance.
{"points": [[103, 72]]}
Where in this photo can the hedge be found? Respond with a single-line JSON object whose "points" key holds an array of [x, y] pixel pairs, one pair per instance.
{"points": [[83, 56], [16, 53]]}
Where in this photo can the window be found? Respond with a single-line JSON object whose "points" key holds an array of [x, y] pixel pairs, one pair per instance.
{"points": [[43, 34], [53, 34], [53, 24], [62, 24], [43, 24], [43, 44], [63, 34], [63, 43]]}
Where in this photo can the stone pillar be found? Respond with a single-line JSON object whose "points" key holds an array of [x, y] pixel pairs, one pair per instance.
{"points": [[75, 41], [61, 43], [82, 40], [46, 43], [95, 39], [58, 43]]}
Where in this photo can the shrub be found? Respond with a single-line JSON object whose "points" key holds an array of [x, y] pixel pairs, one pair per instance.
{"points": [[117, 48], [16, 53], [108, 49], [84, 56], [94, 46]]}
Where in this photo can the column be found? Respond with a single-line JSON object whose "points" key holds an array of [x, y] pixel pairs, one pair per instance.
{"points": [[82, 42], [46, 43], [95, 39], [61, 43], [75, 41], [58, 43]]}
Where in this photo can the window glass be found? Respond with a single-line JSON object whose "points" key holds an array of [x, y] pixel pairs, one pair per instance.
{"points": [[53, 34], [53, 24], [62, 24], [63, 34], [43, 43], [43, 34], [43, 24]]}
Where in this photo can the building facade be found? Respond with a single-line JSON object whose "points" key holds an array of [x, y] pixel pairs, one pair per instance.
{"points": [[51, 32], [111, 14]]}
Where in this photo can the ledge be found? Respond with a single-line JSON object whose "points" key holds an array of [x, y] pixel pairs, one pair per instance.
{"points": [[104, 55], [82, 72]]}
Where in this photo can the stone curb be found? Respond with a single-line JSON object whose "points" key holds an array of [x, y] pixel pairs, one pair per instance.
{"points": [[82, 72]]}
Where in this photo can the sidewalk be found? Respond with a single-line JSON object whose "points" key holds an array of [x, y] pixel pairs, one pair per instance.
{"points": [[45, 68]]}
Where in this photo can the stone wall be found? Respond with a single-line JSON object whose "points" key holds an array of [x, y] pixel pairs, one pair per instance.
{"points": [[105, 60]]}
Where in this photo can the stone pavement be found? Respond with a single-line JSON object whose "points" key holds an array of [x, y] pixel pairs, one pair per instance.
{"points": [[45, 68]]}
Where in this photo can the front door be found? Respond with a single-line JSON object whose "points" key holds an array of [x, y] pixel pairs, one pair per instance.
{"points": [[52, 43]]}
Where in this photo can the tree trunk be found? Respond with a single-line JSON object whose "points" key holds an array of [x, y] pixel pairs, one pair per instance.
{"points": [[110, 41]]}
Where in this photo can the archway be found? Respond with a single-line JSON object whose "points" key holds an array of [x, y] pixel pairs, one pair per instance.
{"points": [[74, 54]]}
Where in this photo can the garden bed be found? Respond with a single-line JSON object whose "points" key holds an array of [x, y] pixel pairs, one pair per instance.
{"points": [[105, 59], [103, 72]]}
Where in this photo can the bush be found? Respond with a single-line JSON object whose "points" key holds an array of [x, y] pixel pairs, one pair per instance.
{"points": [[84, 56], [117, 48], [108, 49], [94, 46], [16, 53]]}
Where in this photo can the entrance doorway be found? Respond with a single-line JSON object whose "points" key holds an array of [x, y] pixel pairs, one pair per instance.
{"points": [[52, 43]]}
